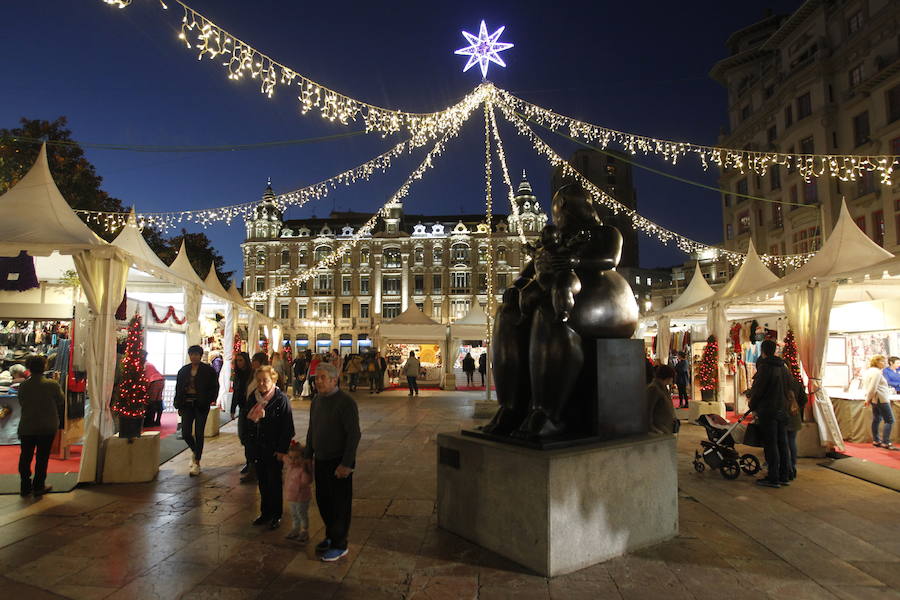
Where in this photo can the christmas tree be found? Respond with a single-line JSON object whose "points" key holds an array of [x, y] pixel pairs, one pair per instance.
{"points": [[708, 370], [789, 354], [133, 383]]}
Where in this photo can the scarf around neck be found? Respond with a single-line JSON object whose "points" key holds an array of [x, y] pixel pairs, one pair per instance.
{"points": [[258, 411]]}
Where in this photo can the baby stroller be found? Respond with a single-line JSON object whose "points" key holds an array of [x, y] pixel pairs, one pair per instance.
{"points": [[719, 453]]}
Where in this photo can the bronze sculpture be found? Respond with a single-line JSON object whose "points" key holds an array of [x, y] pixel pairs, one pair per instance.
{"points": [[566, 298]]}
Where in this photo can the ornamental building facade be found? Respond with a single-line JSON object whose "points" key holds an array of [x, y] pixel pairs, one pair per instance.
{"points": [[823, 80], [437, 262]]}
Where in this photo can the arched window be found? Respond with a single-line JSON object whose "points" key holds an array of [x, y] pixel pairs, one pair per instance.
{"points": [[347, 258], [482, 254], [285, 258], [261, 258], [392, 258], [501, 254], [364, 256], [438, 255], [419, 255], [302, 257], [459, 253], [322, 252]]}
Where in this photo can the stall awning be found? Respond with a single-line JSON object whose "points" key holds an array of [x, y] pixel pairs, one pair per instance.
{"points": [[413, 326]]}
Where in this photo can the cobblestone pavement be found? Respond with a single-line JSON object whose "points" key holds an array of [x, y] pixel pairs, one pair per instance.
{"points": [[827, 536]]}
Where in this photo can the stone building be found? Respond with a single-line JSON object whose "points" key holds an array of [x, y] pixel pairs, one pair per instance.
{"points": [[438, 262], [823, 80]]}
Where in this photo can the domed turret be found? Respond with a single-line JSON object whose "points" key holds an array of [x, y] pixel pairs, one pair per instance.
{"points": [[531, 219], [267, 218]]}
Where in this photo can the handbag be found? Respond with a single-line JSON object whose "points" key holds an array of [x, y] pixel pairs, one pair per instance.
{"points": [[753, 435], [307, 390]]}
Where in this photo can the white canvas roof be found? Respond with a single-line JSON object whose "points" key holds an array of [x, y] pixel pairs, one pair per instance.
{"points": [[697, 291], [215, 286], [473, 326], [412, 325], [35, 217], [182, 266]]}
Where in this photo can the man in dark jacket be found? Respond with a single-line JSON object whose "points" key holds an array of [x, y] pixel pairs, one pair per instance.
{"points": [[768, 399], [196, 388], [332, 439], [682, 379], [300, 367]]}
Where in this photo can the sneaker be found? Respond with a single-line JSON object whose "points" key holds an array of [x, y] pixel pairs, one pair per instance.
{"points": [[768, 483], [25, 487], [275, 523], [42, 490], [784, 482], [878, 444], [195, 468], [334, 554], [890, 446], [324, 545], [262, 520]]}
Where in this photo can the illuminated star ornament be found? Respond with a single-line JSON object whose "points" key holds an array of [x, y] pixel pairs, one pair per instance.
{"points": [[484, 49]]}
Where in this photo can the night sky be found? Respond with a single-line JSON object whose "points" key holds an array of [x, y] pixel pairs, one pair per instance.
{"points": [[121, 76]]}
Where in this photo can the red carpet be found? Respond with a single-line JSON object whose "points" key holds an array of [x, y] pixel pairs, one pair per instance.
{"points": [[879, 456], [169, 425]]}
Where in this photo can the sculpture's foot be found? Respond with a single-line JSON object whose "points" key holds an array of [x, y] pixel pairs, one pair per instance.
{"points": [[503, 422], [537, 426]]}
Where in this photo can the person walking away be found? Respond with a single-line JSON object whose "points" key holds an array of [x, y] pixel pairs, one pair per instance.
{"points": [[270, 429], [482, 366], [299, 368], [411, 370], [298, 492], [796, 403], [42, 405], [332, 440], [241, 376], [196, 388], [155, 384], [372, 373], [768, 399], [682, 379], [381, 363], [313, 367], [354, 368], [878, 394], [659, 400], [338, 362], [468, 367], [892, 375]]}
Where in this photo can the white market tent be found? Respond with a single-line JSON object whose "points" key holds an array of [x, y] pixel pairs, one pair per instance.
{"points": [[36, 218], [411, 326], [696, 292], [473, 326]]}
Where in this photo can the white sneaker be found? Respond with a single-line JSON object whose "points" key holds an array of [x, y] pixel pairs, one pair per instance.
{"points": [[195, 468]]}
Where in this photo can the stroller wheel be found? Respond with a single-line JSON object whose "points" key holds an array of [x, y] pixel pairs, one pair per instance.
{"points": [[730, 469], [699, 466], [749, 464]]}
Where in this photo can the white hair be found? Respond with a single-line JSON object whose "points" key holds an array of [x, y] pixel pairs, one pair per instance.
{"points": [[328, 369]]}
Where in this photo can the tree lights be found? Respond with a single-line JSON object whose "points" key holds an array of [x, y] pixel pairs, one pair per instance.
{"points": [[133, 383], [708, 369], [789, 354]]}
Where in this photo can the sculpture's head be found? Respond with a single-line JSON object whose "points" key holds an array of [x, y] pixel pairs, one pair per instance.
{"points": [[572, 208]]}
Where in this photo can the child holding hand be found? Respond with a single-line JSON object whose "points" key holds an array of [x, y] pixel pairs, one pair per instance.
{"points": [[297, 491]]}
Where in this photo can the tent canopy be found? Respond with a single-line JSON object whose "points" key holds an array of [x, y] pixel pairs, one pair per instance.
{"points": [[696, 293], [414, 326], [473, 326], [215, 286], [35, 217]]}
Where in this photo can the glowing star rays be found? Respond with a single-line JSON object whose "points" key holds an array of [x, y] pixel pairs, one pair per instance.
{"points": [[484, 49]]}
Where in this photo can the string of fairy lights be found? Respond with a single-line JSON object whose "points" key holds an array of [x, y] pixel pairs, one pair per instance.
{"points": [[640, 223], [241, 60], [488, 218], [331, 259], [501, 155], [843, 167]]}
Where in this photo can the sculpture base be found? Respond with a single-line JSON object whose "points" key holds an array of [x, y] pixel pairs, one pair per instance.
{"points": [[558, 511], [132, 460], [697, 408], [551, 443]]}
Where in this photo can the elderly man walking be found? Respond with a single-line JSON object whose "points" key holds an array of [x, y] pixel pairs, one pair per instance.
{"points": [[331, 440]]}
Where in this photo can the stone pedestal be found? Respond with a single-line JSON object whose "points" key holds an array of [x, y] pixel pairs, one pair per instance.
{"points": [[808, 443], [558, 511], [485, 409], [697, 408], [131, 461], [212, 423]]}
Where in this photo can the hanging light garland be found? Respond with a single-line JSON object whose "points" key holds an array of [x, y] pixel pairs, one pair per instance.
{"points": [[488, 216], [640, 223], [113, 221], [845, 167], [241, 60], [505, 170], [333, 257]]}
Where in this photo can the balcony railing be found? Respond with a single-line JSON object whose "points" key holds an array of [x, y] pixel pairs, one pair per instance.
{"points": [[461, 290], [323, 292]]}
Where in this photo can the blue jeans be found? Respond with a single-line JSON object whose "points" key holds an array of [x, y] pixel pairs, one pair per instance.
{"points": [[882, 411], [413, 385]]}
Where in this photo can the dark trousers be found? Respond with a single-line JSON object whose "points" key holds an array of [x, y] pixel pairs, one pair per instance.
{"points": [[154, 403], [413, 385], [682, 395], [775, 445], [268, 476], [30, 443], [792, 448], [242, 433], [335, 499], [193, 426]]}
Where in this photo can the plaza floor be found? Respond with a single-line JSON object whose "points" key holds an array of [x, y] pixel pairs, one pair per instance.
{"points": [[827, 536]]}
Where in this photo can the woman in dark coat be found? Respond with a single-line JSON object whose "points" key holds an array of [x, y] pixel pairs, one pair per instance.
{"points": [[468, 366], [482, 366], [242, 375], [270, 429]]}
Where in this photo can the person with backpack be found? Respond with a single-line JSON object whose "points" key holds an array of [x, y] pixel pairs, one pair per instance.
{"points": [[768, 400]]}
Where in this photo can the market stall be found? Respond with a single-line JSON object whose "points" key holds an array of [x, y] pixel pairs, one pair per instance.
{"points": [[467, 335], [413, 331]]}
